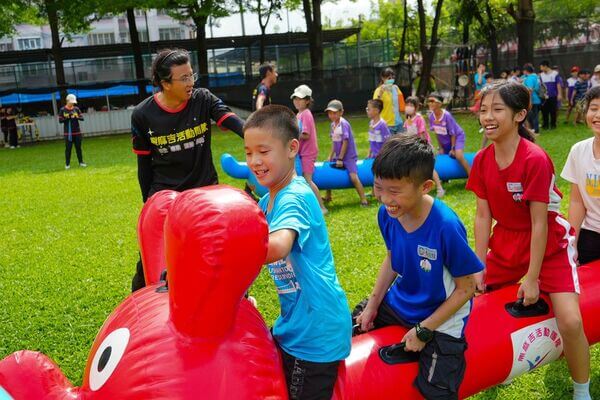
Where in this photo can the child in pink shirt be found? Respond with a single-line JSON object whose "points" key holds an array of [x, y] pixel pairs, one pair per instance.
{"points": [[309, 149], [414, 124]]}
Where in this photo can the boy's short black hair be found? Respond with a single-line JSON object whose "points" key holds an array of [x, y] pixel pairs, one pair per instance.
{"points": [[405, 156], [376, 103], [545, 63], [528, 68], [264, 68], [279, 119], [592, 94]]}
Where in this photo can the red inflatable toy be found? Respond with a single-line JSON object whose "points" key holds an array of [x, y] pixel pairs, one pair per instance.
{"points": [[196, 338], [501, 346]]}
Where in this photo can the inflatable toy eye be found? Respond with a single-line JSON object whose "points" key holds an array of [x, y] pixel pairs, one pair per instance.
{"points": [[107, 357]]}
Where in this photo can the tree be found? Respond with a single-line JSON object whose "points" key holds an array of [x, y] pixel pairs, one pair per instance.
{"points": [[427, 50], [564, 20], [16, 12], [384, 22], [199, 11], [488, 28], [314, 30], [524, 16], [67, 18], [264, 9], [137, 53], [404, 29], [112, 7]]}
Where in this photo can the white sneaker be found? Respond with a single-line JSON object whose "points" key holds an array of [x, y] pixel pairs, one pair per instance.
{"points": [[12, 147], [82, 164], [67, 166], [6, 145]]}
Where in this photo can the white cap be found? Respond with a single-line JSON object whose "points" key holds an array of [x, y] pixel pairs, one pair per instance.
{"points": [[597, 68], [301, 92], [71, 99]]}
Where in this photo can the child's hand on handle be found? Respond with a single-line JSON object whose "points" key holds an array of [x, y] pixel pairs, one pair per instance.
{"points": [[529, 291], [366, 318], [339, 163], [412, 342]]}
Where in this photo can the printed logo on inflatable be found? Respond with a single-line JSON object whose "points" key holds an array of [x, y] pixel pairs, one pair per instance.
{"points": [[534, 346]]}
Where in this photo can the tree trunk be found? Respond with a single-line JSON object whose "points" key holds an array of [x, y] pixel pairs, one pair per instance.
{"points": [[492, 40], [314, 30], [202, 54], [404, 29], [318, 51], [56, 44], [137, 54], [427, 52], [490, 34], [524, 18], [262, 44]]}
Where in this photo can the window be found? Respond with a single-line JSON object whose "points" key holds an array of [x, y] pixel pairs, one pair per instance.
{"points": [[142, 36], [34, 69], [29, 43], [101, 38], [6, 47], [169, 33]]}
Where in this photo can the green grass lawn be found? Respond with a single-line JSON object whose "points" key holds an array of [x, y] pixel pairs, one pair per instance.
{"points": [[69, 247]]}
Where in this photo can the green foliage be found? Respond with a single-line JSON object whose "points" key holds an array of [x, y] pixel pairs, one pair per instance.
{"points": [[565, 19], [73, 17], [16, 12], [69, 245], [386, 21]]}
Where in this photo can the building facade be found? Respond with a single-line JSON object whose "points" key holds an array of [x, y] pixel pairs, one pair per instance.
{"points": [[152, 25]]}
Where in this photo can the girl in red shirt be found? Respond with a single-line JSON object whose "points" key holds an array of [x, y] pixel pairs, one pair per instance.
{"points": [[531, 242]]}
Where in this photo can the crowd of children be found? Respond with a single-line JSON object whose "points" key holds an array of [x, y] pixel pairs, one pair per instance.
{"points": [[547, 90], [429, 275]]}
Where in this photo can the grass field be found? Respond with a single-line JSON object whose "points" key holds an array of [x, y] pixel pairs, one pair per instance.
{"points": [[69, 249]]}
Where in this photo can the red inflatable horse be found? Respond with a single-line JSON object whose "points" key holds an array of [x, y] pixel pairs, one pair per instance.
{"points": [[196, 338]]}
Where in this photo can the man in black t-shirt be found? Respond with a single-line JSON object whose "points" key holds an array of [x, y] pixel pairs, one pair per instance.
{"points": [[178, 141], [261, 96], [172, 132]]}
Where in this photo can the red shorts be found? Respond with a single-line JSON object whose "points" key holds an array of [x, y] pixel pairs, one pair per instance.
{"points": [[508, 259], [308, 164]]}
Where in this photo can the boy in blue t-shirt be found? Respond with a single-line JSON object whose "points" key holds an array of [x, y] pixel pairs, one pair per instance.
{"points": [[426, 282], [313, 331]]}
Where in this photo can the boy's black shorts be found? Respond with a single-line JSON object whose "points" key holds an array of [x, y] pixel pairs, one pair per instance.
{"points": [[441, 362], [309, 380]]}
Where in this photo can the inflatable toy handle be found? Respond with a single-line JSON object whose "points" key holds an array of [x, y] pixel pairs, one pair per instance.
{"points": [[518, 310], [396, 354]]}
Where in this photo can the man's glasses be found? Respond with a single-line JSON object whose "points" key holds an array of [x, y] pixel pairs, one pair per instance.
{"points": [[187, 78]]}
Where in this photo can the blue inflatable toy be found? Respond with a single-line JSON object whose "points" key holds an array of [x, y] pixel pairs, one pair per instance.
{"points": [[328, 177]]}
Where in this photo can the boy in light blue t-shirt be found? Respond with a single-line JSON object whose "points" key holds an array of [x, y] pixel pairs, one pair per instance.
{"points": [[426, 281], [314, 329]]}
